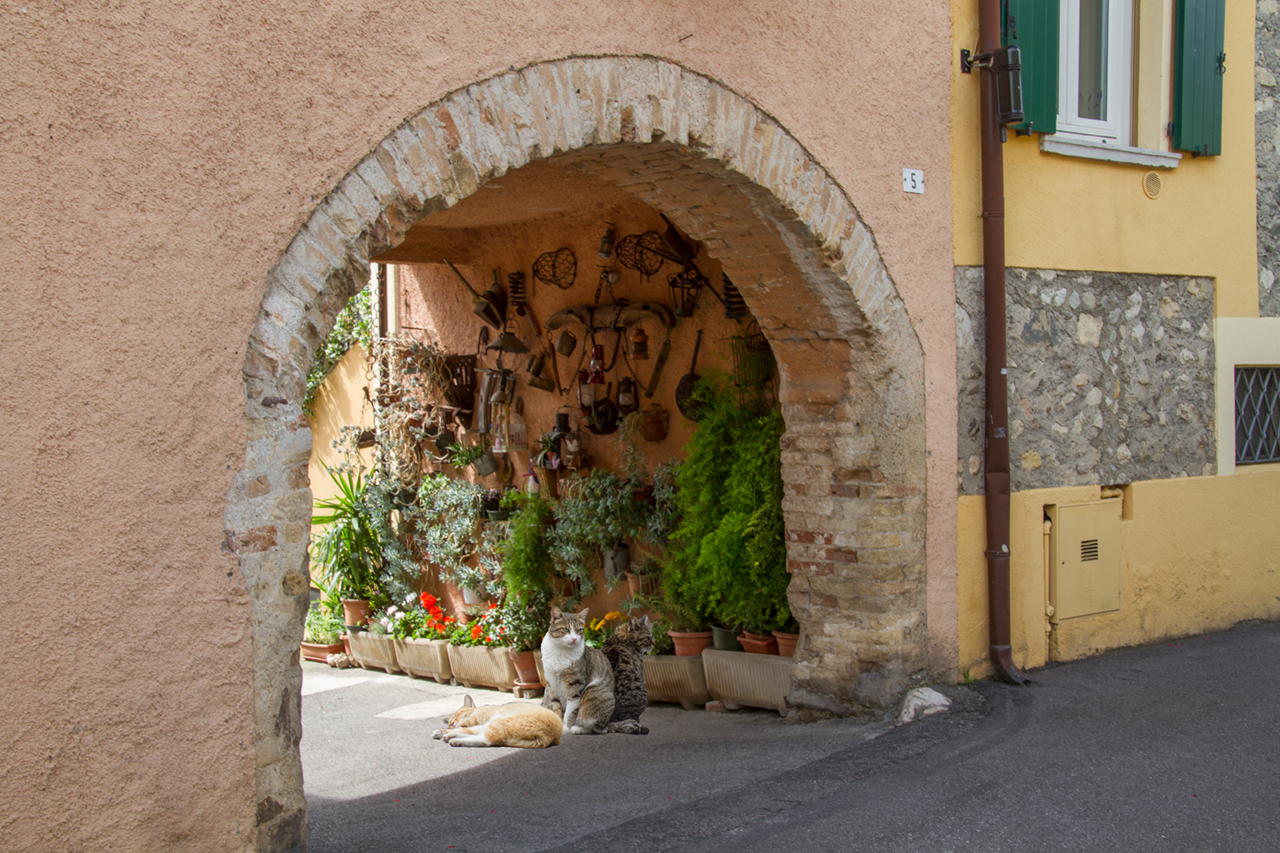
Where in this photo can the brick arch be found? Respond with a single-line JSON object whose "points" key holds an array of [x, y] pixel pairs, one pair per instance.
{"points": [[730, 176]]}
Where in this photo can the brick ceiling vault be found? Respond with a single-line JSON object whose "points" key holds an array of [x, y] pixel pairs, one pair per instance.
{"points": [[729, 175]]}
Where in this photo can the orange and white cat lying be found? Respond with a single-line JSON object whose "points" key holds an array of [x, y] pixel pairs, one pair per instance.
{"points": [[518, 724]]}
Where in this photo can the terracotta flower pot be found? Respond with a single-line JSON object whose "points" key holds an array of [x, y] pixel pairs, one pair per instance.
{"points": [[356, 611], [319, 652], [641, 584], [690, 643], [757, 644], [786, 643], [527, 677]]}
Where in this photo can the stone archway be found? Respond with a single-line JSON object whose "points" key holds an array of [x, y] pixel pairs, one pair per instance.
{"points": [[731, 177]]}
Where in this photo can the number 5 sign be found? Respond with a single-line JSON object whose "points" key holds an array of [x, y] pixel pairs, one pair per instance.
{"points": [[913, 180]]}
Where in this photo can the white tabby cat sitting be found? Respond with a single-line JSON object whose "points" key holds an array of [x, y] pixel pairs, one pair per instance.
{"points": [[579, 678]]}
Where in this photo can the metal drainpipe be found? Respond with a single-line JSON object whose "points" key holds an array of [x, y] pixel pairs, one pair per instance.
{"points": [[996, 465]]}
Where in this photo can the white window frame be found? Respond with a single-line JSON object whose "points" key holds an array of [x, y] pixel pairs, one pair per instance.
{"points": [[1116, 129]]}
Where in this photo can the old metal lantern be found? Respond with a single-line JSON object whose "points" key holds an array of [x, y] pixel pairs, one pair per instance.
{"points": [[686, 285], [606, 242], [596, 376], [586, 391], [639, 345], [627, 396]]}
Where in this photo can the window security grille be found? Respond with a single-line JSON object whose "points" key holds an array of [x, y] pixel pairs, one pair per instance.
{"points": [[1257, 415]]}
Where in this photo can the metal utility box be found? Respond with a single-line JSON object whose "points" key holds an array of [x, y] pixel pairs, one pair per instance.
{"points": [[1084, 559]]}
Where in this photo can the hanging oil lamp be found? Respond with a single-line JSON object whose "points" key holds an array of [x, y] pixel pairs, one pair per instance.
{"points": [[686, 285], [627, 396], [586, 391], [639, 345], [597, 364]]}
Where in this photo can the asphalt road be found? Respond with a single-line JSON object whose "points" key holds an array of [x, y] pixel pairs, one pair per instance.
{"points": [[1173, 747]]}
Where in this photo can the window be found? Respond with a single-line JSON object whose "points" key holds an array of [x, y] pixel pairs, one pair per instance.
{"points": [[1257, 415], [1079, 87], [1095, 42]]}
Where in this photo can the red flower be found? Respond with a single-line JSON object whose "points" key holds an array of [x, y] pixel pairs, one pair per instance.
{"points": [[428, 600], [476, 631]]}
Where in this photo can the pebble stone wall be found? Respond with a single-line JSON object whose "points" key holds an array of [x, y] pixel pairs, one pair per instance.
{"points": [[1110, 377], [851, 366], [1267, 140]]}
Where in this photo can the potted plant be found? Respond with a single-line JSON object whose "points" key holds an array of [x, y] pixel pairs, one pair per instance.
{"points": [[788, 636], [376, 646], [322, 634], [642, 577], [728, 552], [445, 530], [477, 653], [526, 616], [596, 514], [348, 553], [421, 636]]}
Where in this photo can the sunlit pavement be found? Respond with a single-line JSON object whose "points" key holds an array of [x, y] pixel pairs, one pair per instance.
{"points": [[1174, 747]]}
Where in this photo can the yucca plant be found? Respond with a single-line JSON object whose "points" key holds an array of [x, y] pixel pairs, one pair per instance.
{"points": [[348, 552]]}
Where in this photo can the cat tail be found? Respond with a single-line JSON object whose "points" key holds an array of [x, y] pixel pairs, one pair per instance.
{"points": [[628, 727]]}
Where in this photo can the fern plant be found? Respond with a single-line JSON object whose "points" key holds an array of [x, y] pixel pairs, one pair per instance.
{"points": [[727, 557]]}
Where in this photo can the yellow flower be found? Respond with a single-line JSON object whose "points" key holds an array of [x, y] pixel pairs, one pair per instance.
{"points": [[613, 614], [597, 625]]}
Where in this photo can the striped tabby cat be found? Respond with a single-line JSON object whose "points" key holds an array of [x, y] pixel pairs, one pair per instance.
{"points": [[626, 650], [579, 678]]}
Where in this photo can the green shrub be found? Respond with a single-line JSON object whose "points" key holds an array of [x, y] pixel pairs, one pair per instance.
{"points": [[727, 557]]}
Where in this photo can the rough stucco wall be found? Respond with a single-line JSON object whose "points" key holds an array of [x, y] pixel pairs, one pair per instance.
{"points": [[1267, 128], [162, 158], [1110, 377]]}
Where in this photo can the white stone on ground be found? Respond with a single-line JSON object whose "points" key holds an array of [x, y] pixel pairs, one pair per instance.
{"points": [[921, 702]]}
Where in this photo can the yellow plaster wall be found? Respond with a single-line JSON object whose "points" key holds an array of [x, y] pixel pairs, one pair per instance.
{"points": [[339, 402], [1197, 554], [1078, 214]]}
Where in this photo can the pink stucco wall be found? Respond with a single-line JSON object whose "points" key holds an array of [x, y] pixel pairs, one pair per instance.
{"points": [[158, 159]]}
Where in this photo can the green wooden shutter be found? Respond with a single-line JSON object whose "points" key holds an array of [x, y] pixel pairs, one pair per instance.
{"points": [[1198, 66], [1032, 25]]}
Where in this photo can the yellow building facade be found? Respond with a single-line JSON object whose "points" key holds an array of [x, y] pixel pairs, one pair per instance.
{"points": [[1134, 298]]}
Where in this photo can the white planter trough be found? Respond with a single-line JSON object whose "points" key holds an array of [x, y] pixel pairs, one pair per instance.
{"points": [[741, 678], [425, 659], [676, 678], [481, 666], [374, 650]]}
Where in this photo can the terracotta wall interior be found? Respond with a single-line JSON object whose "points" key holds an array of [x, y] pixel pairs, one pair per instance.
{"points": [[505, 226]]}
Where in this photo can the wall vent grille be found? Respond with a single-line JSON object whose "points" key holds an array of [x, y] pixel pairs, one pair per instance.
{"points": [[1088, 550]]}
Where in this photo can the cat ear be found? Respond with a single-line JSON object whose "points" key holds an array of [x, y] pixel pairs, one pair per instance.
{"points": [[644, 621], [556, 614], [583, 614], [468, 702]]}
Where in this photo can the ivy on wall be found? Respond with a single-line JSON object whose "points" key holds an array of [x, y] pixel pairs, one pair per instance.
{"points": [[352, 326]]}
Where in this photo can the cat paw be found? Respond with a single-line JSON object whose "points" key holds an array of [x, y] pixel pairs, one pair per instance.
{"points": [[437, 734]]}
